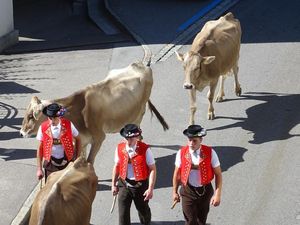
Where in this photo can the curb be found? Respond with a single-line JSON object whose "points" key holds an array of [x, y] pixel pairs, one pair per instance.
{"points": [[9, 40], [98, 17], [23, 215]]}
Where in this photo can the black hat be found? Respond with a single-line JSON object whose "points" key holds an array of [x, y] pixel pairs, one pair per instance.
{"points": [[53, 110], [194, 131], [130, 130]]}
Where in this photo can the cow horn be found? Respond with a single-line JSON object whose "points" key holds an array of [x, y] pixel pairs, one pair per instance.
{"points": [[179, 56]]}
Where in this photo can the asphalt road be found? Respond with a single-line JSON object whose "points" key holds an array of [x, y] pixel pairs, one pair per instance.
{"points": [[255, 135]]}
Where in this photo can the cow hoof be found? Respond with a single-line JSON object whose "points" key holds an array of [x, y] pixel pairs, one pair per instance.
{"points": [[220, 99], [238, 92], [210, 116]]}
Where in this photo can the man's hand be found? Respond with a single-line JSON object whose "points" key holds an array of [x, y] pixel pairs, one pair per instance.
{"points": [[114, 190], [215, 200], [148, 194], [176, 197], [39, 173]]}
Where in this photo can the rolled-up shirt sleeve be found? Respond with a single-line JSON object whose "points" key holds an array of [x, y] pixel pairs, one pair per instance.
{"points": [[149, 157], [214, 159], [116, 158], [178, 159], [75, 132], [39, 135]]}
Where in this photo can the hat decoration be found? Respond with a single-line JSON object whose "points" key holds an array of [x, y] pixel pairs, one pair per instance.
{"points": [[130, 130], [61, 112]]}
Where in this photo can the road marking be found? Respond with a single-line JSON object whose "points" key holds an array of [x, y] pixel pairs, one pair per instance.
{"points": [[198, 15], [191, 31]]}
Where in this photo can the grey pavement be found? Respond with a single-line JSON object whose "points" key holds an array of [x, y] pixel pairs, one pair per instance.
{"points": [[251, 134]]}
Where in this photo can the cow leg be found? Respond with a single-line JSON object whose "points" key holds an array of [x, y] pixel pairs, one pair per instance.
{"points": [[221, 93], [237, 86], [193, 107], [84, 142], [210, 96], [83, 152], [95, 146]]}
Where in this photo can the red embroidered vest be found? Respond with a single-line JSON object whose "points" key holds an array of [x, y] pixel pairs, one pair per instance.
{"points": [[65, 138], [139, 164], [205, 168]]}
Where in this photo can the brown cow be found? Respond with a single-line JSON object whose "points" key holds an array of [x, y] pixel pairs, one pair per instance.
{"points": [[67, 196], [214, 53], [101, 108]]}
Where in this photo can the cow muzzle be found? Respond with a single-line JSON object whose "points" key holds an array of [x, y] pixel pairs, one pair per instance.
{"points": [[188, 86], [24, 134]]}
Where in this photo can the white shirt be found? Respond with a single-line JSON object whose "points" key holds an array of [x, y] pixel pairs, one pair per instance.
{"points": [[57, 150], [131, 153], [195, 175]]}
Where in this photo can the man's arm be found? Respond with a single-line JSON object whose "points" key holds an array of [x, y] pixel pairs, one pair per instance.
{"points": [[152, 179], [39, 160], [176, 182], [114, 180], [216, 199]]}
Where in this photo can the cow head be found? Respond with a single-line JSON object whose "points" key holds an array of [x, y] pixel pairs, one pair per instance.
{"points": [[33, 118], [194, 67]]}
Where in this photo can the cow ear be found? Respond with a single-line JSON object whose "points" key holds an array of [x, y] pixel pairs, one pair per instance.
{"points": [[179, 56], [37, 110], [35, 100], [208, 59]]}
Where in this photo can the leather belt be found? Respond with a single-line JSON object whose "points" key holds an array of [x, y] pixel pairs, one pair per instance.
{"points": [[132, 183], [58, 162], [200, 191]]}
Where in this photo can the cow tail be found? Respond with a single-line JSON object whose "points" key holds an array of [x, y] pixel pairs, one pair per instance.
{"points": [[158, 116]]}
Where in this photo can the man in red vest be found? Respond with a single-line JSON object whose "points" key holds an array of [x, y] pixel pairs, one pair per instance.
{"points": [[56, 148], [196, 166], [133, 176]]}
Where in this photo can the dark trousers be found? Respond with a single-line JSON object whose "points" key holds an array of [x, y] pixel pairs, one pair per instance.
{"points": [[126, 196], [50, 168], [195, 203]]}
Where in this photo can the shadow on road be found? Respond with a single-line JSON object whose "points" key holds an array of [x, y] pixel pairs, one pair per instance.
{"points": [[165, 168], [268, 21], [229, 156], [8, 119], [271, 120], [103, 187], [11, 87], [8, 154]]}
